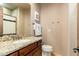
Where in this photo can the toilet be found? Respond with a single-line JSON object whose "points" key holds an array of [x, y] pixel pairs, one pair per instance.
{"points": [[46, 50]]}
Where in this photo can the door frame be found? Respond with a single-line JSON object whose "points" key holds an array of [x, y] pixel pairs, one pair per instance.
{"points": [[72, 28]]}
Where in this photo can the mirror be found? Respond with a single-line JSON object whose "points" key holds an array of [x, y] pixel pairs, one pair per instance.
{"points": [[9, 21], [17, 19]]}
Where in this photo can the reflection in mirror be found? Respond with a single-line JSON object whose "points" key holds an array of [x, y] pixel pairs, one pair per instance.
{"points": [[9, 20], [17, 19], [9, 24]]}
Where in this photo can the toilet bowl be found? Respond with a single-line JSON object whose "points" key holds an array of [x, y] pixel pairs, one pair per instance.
{"points": [[47, 50]]}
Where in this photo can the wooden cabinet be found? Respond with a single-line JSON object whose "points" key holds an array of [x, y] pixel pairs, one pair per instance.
{"points": [[27, 49], [38, 51], [14, 54], [33, 49]]}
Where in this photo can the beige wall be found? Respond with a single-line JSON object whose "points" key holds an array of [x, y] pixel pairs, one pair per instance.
{"points": [[54, 26], [27, 29], [24, 22], [20, 22]]}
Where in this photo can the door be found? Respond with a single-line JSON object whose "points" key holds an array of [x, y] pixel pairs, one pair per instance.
{"points": [[1, 20], [72, 29], [78, 27]]}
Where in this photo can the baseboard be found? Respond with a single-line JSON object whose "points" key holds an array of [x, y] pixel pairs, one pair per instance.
{"points": [[56, 54]]}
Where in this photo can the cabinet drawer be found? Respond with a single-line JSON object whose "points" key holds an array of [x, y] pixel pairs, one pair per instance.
{"points": [[27, 49], [14, 54]]}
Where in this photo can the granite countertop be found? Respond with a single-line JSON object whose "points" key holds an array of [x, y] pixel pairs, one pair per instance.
{"points": [[11, 46]]}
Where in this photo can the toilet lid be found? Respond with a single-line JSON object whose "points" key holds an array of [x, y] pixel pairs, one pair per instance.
{"points": [[47, 48]]}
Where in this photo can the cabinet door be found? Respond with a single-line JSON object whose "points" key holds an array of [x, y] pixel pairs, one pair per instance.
{"points": [[1, 20], [27, 49], [30, 54], [38, 52], [14, 54]]}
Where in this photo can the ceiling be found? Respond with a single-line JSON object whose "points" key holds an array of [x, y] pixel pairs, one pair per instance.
{"points": [[15, 5]]}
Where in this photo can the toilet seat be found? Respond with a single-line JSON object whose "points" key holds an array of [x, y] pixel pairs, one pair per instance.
{"points": [[47, 48]]}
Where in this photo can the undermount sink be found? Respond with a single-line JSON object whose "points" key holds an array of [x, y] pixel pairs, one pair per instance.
{"points": [[22, 41]]}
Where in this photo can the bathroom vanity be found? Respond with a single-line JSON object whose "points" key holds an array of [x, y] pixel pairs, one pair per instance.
{"points": [[33, 49], [30, 46]]}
